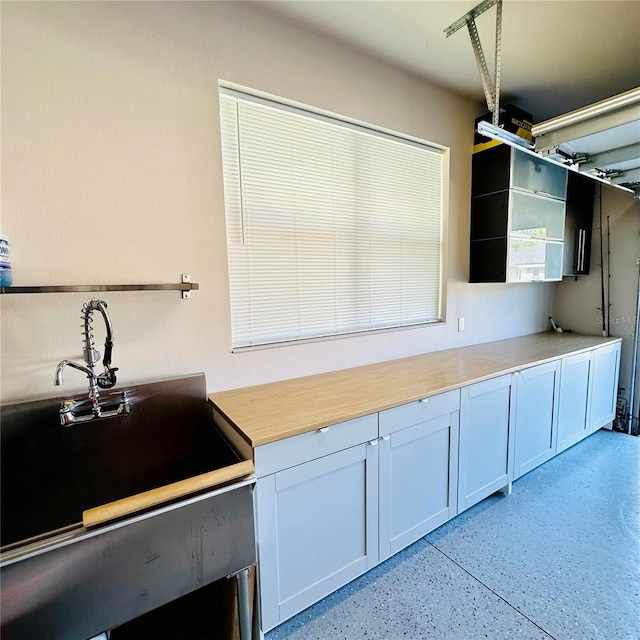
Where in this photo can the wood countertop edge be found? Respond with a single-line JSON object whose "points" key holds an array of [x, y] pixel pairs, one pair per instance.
{"points": [[156, 497], [495, 367]]}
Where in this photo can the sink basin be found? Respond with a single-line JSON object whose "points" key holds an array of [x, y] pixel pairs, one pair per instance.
{"points": [[65, 579], [51, 473]]}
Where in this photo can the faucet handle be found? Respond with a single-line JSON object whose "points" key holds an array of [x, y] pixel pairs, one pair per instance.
{"points": [[108, 379]]}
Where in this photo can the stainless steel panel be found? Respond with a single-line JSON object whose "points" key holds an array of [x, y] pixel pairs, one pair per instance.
{"points": [[86, 582]]}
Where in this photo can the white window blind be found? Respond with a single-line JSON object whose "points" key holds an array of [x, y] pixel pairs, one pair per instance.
{"points": [[332, 227]]}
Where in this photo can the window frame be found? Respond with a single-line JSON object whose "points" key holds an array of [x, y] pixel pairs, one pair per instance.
{"points": [[243, 93]]}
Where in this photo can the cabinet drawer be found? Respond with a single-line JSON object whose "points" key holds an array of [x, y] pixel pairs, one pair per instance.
{"points": [[406, 415], [289, 452]]}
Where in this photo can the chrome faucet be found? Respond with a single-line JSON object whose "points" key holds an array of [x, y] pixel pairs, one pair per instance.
{"points": [[75, 411], [93, 380]]}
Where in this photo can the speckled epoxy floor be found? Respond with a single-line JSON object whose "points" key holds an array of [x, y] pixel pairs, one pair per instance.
{"points": [[558, 558]]}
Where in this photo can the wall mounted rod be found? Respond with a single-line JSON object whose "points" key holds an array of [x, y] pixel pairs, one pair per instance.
{"points": [[603, 306]]}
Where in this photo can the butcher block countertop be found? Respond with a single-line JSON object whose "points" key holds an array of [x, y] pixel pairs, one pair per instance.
{"points": [[269, 412]]}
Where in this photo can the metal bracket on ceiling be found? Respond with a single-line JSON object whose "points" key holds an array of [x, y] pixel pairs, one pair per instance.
{"points": [[488, 130], [632, 186], [491, 89], [608, 173], [573, 159]]}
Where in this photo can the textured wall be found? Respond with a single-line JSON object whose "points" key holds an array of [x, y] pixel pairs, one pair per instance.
{"points": [[111, 172]]}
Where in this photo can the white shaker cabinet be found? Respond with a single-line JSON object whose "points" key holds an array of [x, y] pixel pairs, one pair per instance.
{"points": [[486, 440], [418, 469], [535, 416], [318, 520], [333, 502], [573, 395], [604, 386]]}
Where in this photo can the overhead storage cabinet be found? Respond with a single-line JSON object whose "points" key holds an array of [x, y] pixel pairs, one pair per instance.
{"points": [[517, 217]]}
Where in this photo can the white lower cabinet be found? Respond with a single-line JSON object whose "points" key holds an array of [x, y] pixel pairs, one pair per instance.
{"points": [[534, 429], [573, 395], [604, 386], [333, 502], [418, 470], [317, 528], [486, 441]]}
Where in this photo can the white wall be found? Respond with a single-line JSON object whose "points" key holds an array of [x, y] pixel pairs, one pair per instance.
{"points": [[578, 303], [111, 173]]}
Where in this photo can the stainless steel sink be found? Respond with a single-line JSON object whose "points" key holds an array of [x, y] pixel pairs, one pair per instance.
{"points": [[62, 580]]}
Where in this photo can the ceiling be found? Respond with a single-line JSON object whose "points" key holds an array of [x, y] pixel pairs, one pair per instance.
{"points": [[556, 55]]}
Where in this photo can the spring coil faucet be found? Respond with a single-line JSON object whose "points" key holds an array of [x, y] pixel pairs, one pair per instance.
{"points": [[69, 413], [107, 379]]}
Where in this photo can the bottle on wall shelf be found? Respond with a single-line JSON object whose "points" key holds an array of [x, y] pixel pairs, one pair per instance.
{"points": [[6, 276]]}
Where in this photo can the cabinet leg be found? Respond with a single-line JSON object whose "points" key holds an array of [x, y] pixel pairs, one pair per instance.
{"points": [[257, 618], [244, 609], [506, 490]]}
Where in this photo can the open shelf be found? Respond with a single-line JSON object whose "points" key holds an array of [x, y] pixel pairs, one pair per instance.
{"points": [[187, 286]]}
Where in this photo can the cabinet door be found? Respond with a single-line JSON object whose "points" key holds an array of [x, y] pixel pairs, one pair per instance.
{"points": [[534, 173], [604, 386], [535, 416], [536, 230], [572, 400], [533, 216], [534, 260], [317, 529], [578, 224], [418, 481], [486, 445]]}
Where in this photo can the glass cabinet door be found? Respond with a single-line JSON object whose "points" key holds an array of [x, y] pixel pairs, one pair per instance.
{"points": [[531, 260], [536, 217], [538, 175]]}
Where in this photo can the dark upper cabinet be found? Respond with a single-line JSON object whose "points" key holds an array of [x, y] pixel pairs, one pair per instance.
{"points": [[491, 170], [517, 216], [578, 225]]}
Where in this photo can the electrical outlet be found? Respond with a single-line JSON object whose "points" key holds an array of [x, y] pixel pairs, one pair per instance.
{"points": [[460, 324]]}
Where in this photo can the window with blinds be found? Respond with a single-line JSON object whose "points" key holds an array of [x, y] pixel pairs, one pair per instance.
{"points": [[332, 227]]}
